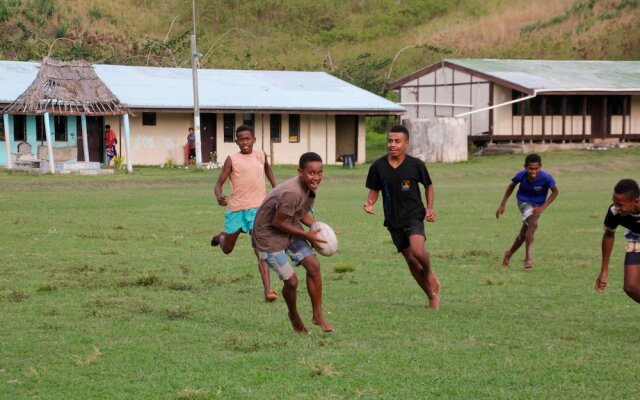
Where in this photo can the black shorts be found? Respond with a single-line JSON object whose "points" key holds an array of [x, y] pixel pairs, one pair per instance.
{"points": [[632, 258], [192, 154], [400, 236]]}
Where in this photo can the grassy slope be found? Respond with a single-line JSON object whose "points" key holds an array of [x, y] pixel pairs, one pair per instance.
{"points": [[356, 39], [109, 289]]}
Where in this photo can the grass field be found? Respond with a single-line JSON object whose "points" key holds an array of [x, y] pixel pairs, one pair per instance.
{"points": [[109, 290]]}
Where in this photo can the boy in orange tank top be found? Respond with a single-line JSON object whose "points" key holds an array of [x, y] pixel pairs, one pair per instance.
{"points": [[246, 170]]}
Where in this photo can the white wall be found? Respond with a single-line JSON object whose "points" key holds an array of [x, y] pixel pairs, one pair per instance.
{"points": [[155, 145]]}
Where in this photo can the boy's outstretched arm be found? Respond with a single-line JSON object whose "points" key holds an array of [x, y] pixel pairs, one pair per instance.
{"points": [[371, 201], [224, 175], [506, 196], [430, 216], [608, 237], [554, 193], [269, 172]]}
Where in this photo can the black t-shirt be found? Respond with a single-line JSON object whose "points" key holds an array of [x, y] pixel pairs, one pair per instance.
{"points": [[401, 198], [629, 221]]}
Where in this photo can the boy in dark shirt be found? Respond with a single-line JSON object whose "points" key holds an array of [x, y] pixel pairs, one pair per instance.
{"points": [[398, 175], [624, 211], [532, 201]]}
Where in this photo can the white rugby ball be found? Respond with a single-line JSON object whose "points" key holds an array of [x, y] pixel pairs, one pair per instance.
{"points": [[328, 235]]}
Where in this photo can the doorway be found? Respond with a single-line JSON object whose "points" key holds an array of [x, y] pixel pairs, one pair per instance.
{"points": [[347, 136], [95, 139], [208, 136], [596, 110]]}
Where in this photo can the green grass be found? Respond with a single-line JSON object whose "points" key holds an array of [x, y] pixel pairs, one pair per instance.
{"points": [[109, 289]]}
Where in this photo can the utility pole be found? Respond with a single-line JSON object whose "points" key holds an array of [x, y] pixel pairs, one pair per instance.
{"points": [[196, 99]]}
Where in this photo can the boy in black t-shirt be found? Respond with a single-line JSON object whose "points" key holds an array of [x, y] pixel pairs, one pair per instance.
{"points": [[398, 175], [624, 211]]}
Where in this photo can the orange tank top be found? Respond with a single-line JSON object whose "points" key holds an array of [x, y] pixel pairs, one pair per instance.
{"points": [[247, 180]]}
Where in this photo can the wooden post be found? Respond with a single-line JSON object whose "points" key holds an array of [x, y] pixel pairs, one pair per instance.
{"points": [[127, 142], [85, 144], [7, 140], [543, 109], [564, 119], [47, 132]]}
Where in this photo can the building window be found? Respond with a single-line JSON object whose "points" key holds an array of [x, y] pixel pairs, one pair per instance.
{"points": [[229, 127], [517, 108], [149, 118], [554, 105], [294, 128], [528, 107], [616, 105], [2, 139], [249, 119], [40, 134], [60, 128], [19, 128], [275, 123], [575, 105]]}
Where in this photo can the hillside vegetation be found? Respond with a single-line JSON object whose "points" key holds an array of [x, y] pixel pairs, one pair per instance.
{"points": [[367, 42]]}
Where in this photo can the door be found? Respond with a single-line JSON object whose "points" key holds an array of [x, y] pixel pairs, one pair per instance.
{"points": [[208, 136], [596, 111], [95, 139]]}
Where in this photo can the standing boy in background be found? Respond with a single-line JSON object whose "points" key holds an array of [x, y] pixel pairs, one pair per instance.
{"points": [[246, 170], [624, 211], [279, 238], [110, 141], [532, 201], [398, 176], [191, 147]]}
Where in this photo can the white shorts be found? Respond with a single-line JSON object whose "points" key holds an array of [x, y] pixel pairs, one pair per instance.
{"points": [[526, 209]]}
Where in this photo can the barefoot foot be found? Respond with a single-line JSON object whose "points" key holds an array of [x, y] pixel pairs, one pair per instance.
{"points": [[434, 302], [528, 264], [298, 326], [506, 259], [324, 325], [216, 240], [270, 296]]}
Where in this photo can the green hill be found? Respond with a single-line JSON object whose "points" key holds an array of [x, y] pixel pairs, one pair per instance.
{"points": [[356, 40]]}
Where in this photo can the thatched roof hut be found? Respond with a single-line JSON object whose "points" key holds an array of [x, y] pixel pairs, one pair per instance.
{"points": [[66, 88]]}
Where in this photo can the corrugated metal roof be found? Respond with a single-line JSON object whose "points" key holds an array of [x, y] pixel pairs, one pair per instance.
{"points": [[172, 88], [15, 78], [560, 75]]}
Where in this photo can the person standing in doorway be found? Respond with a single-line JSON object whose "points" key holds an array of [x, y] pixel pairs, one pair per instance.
{"points": [[110, 141], [191, 144]]}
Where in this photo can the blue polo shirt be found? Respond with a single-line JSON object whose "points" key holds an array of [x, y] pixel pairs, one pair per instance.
{"points": [[534, 193]]}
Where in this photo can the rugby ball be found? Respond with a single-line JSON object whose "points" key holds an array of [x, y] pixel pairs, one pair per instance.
{"points": [[328, 235]]}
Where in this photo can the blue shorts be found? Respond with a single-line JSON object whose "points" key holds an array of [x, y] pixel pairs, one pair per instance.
{"points": [[239, 220], [297, 251]]}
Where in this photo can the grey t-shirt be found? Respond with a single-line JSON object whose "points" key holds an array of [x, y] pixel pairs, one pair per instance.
{"points": [[291, 198]]}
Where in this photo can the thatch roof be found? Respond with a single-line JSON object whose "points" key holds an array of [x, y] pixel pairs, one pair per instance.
{"points": [[66, 88]]}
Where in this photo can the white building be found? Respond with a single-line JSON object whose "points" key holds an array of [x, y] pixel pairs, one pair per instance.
{"points": [[292, 113]]}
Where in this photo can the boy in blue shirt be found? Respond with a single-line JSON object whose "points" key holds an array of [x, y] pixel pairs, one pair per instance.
{"points": [[532, 201]]}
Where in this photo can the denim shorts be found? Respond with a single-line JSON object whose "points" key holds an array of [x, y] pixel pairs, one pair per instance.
{"points": [[239, 220], [526, 209], [632, 256], [278, 261]]}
